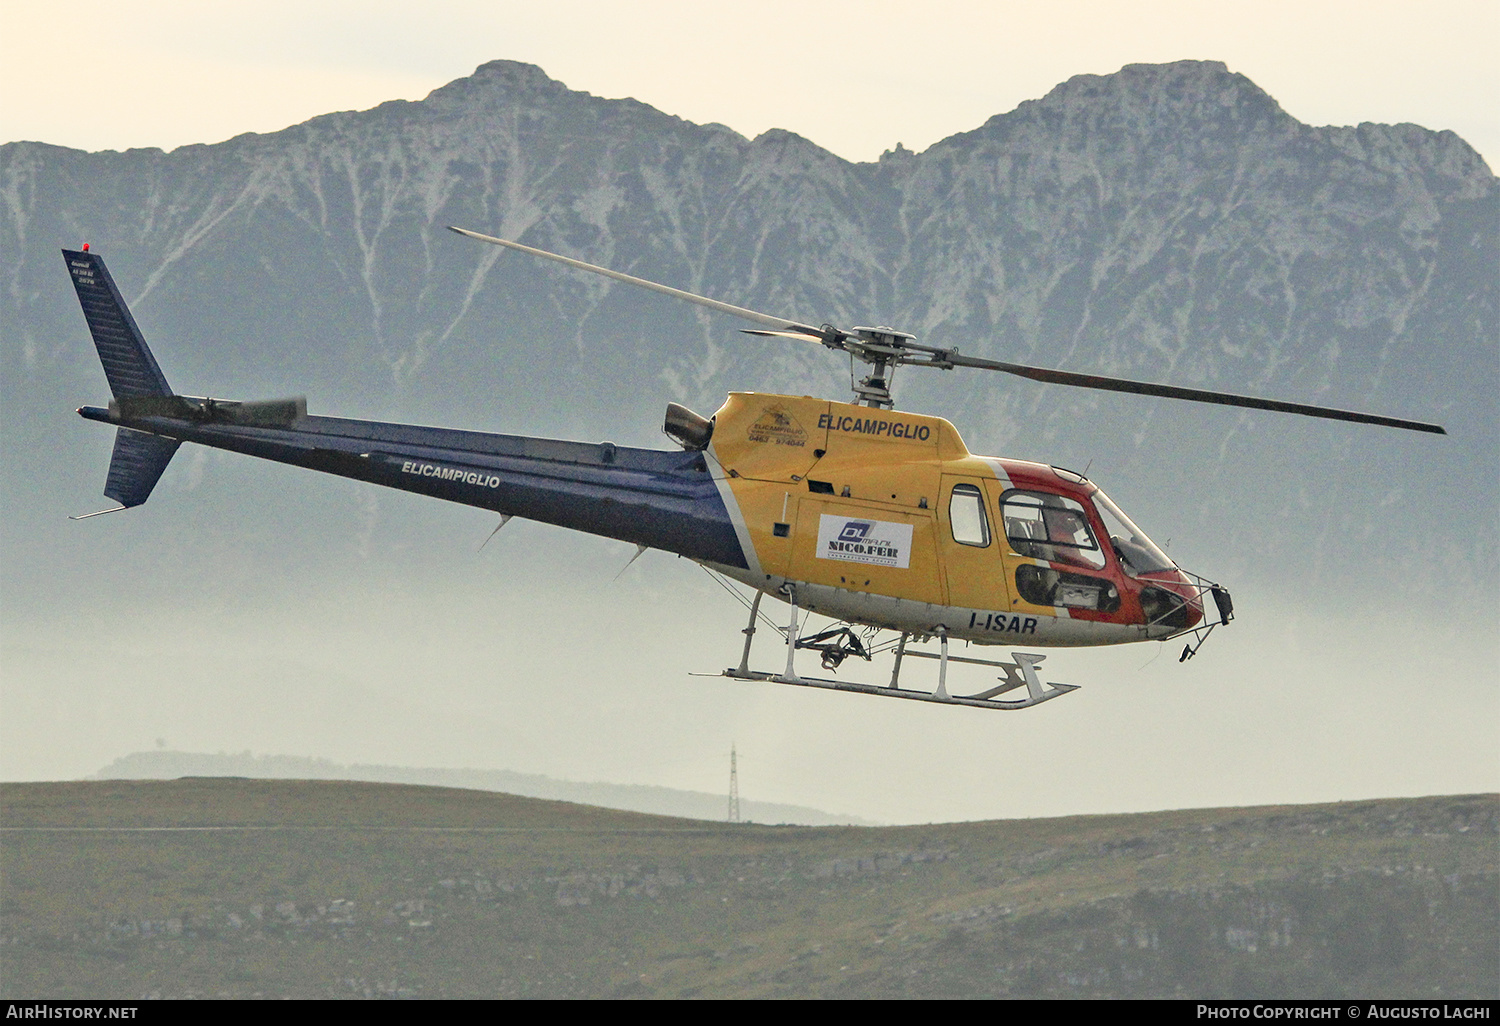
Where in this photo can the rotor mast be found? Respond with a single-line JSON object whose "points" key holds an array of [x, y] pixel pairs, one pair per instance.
{"points": [[882, 348]]}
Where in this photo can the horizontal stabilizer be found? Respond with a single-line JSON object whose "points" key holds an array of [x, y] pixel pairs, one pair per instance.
{"points": [[137, 464], [128, 364]]}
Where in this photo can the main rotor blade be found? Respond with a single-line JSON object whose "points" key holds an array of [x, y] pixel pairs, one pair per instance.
{"points": [[782, 327], [1197, 395], [769, 320]]}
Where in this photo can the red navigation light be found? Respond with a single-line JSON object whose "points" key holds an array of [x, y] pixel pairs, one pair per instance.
{"points": [[85, 247]]}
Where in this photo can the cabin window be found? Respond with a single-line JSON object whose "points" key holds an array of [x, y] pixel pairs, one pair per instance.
{"points": [[966, 516], [1051, 527]]}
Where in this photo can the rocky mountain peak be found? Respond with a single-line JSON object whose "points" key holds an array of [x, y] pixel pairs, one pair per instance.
{"points": [[1185, 96], [493, 81], [782, 147], [1190, 89]]}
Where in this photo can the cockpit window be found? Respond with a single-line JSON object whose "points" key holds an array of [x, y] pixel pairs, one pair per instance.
{"points": [[966, 516], [1138, 554], [1051, 527]]}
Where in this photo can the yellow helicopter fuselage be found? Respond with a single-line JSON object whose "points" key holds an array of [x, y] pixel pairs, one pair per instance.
{"points": [[885, 518]]}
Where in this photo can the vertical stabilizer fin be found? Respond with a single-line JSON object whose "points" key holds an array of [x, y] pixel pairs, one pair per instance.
{"points": [[137, 464], [139, 458], [128, 364]]}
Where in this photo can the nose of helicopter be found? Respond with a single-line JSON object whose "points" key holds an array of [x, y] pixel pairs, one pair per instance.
{"points": [[1175, 601]]}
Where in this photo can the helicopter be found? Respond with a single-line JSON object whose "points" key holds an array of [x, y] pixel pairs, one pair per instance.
{"points": [[879, 520]]}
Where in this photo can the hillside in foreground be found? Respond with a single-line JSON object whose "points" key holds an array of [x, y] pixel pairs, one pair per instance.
{"points": [[243, 888]]}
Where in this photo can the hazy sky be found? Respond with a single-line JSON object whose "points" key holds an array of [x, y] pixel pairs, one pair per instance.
{"points": [[855, 77]]}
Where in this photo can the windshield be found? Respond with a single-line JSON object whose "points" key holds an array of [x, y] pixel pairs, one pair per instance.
{"points": [[1137, 553]]}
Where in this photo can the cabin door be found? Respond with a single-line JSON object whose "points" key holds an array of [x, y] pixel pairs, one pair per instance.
{"points": [[970, 541]]}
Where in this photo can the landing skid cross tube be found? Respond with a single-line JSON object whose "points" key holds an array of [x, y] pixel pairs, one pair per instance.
{"points": [[1021, 673]]}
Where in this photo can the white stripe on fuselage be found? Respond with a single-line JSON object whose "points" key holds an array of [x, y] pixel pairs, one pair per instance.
{"points": [[736, 518], [998, 469]]}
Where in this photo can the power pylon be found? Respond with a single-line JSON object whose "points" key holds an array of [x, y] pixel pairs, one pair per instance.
{"points": [[734, 788]]}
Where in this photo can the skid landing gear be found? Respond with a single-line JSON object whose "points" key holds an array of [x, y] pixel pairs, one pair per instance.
{"points": [[839, 643]]}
